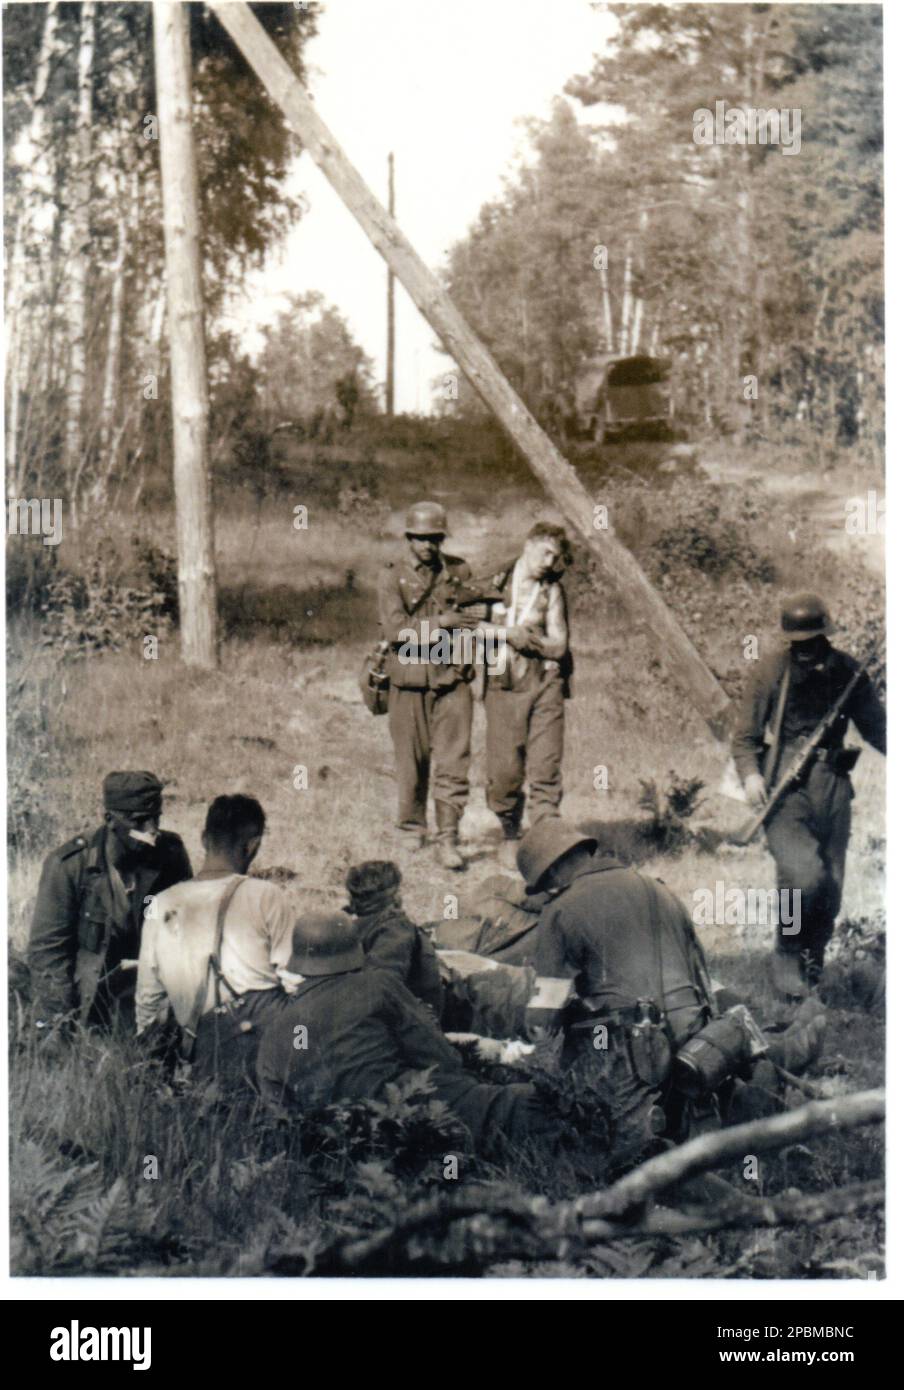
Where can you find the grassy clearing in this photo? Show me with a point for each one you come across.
(232, 1196)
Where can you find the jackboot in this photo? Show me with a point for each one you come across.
(447, 838)
(412, 837)
(447, 850)
(786, 975)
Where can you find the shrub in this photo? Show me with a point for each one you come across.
(97, 610)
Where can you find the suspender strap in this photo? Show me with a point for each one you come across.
(214, 963)
(190, 1031)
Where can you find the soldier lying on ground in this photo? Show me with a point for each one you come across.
(350, 1030)
(212, 947)
(86, 928)
(644, 1016)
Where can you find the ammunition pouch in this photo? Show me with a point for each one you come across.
(639, 1030)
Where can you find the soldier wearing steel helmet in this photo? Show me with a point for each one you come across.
(430, 707)
(644, 994)
(789, 693)
(351, 1030)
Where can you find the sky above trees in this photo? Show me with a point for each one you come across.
(443, 86)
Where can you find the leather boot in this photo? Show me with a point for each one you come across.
(447, 838)
(447, 850)
(786, 976)
(412, 837)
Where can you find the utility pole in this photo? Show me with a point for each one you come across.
(390, 307)
(185, 321)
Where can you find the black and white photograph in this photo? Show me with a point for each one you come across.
(445, 652)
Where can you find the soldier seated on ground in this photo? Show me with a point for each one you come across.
(86, 929)
(388, 936)
(350, 1030)
(213, 947)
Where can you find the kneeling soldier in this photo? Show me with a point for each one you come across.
(86, 929)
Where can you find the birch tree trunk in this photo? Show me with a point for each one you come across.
(625, 327)
(33, 156)
(640, 283)
(188, 358)
(73, 451)
(608, 339)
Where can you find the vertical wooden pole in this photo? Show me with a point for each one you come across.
(185, 318)
(390, 308)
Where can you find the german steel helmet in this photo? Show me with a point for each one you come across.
(325, 943)
(426, 519)
(544, 844)
(805, 616)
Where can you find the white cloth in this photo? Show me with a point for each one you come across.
(178, 938)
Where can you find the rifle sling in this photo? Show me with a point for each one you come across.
(772, 755)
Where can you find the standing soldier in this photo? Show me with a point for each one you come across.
(525, 696)
(85, 934)
(430, 707)
(789, 694)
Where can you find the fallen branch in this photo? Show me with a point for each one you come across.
(545, 1231)
(747, 1213)
(715, 1150)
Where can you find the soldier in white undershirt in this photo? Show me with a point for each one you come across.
(526, 691)
(221, 1005)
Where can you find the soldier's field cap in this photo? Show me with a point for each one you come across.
(371, 880)
(133, 793)
(544, 845)
(325, 943)
(805, 616)
(426, 519)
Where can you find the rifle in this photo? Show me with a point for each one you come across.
(802, 756)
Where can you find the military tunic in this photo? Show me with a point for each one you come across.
(391, 941)
(631, 949)
(84, 925)
(430, 707)
(809, 830)
(366, 1031)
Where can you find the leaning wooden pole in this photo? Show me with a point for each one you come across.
(390, 307)
(619, 567)
(188, 357)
